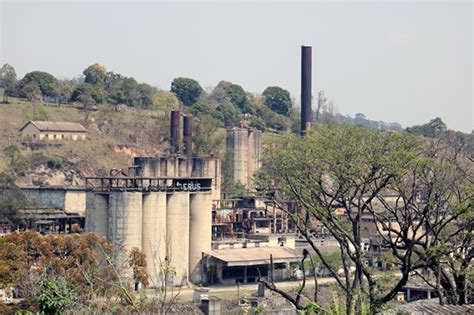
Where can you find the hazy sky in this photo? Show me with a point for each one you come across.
(406, 62)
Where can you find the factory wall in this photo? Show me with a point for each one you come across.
(71, 200)
(97, 214)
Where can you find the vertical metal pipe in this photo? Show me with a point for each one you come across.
(306, 111)
(188, 135)
(174, 131)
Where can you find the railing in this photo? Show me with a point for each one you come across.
(146, 184)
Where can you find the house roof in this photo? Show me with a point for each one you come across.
(56, 126)
(255, 255)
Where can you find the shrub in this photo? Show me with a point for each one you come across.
(55, 163)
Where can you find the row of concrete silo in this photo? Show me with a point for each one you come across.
(164, 225)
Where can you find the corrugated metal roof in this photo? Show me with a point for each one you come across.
(255, 255)
(56, 126)
(432, 306)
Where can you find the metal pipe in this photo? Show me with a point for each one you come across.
(306, 111)
(174, 131)
(188, 135)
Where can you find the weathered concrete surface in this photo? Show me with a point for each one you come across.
(154, 233)
(97, 214)
(177, 228)
(75, 202)
(182, 166)
(200, 233)
(125, 219)
(71, 200)
(244, 146)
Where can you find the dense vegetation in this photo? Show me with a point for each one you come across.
(426, 232)
(227, 104)
(59, 273)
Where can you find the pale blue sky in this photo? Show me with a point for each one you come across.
(406, 62)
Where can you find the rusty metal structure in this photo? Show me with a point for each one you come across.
(175, 132)
(107, 184)
(245, 216)
(188, 135)
(306, 111)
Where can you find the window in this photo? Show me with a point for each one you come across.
(62, 136)
(54, 136)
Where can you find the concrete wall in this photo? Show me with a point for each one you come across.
(97, 214)
(75, 202)
(177, 227)
(41, 197)
(70, 200)
(244, 145)
(200, 235)
(154, 233)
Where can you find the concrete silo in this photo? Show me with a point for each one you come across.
(199, 233)
(154, 233)
(177, 229)
(125, 219)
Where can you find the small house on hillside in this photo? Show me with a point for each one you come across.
(53, 130)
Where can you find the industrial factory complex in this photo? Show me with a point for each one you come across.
(171, 206)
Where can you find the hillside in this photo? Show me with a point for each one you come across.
(113, 138)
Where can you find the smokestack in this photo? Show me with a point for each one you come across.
(188, 135)
(174, 131)
(306, 111)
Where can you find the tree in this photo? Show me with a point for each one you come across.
(444, 185)
(207, 139)
(16, 160)
(321, 103)
(31, 91)
(278, 99)
(8, 80)
(202, 108)
(187, 90)
(350, 169)
(228, 114)
(165, 101)
(258, 123)
(130, 91)
(45, 81)
(433, 129)
(12, 199)
(95, 74)
(68, 272)
(236, 95)
(145, 95)
(89, 93)
(65, 90)
(272, 119)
